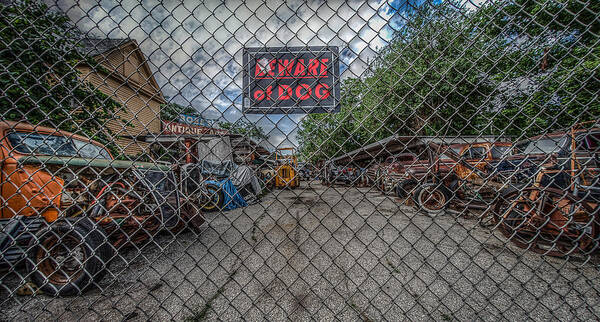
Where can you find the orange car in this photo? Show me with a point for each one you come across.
(67, 205)
(463, 185)
(26, 191)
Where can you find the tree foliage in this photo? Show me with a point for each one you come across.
(171, 111)
(520, 67)
(244, 128)
(555, 44)
(39, 80)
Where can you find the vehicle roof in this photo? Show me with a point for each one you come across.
(481, 144)
(557, 134)
(27, 127)
(402, 154)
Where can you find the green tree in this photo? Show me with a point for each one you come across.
(559, 51)
(451, 71)
(38, 77)
(430, 80)
(244, 128)
(171, 111)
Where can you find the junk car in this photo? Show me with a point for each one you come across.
(68, 205)
(392, 170)
(554, 206)
(403, 177)
(472, 182)
(340, 174)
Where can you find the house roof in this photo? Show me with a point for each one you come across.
(101, 48)
(98, 46)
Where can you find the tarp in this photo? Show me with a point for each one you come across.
(245, 175)
(217, 169)
(231, 197)
(216, 150)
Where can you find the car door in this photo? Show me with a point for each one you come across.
(475, 156)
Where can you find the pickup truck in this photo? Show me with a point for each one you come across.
(68, 206)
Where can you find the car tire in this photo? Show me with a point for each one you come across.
(432, 198)
(67, 258)
(215, 192)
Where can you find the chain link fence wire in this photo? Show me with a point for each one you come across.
(327, 160)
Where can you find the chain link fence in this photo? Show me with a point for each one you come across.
(265, 160)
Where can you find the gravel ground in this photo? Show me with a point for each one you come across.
(328, 253)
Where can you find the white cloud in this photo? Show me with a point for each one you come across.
(194, 48)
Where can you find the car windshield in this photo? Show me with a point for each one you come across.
(46, 144)
(500, 152)
(541, 146)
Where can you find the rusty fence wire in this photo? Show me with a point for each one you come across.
(327, 160)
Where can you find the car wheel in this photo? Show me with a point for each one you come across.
(67, 258)
(432, 198)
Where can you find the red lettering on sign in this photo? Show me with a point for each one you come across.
(272, 64)
(322, 94)
(299, 91)
(324, 66)
(312, 67)
(285, 92)
(269, 92)
(259, 95)
(179, 128)
(259, 70)
(300, 69)
(285, 67)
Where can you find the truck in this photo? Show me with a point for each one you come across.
(68, 206)
(472, 180)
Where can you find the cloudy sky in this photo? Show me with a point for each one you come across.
(195, 47)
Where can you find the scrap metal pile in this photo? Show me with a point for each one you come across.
(542, 193)
(71, 206)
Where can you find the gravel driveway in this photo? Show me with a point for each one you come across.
(329, 253)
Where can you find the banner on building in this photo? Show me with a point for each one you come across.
(195, 120)
(291, 80)
(182, 128)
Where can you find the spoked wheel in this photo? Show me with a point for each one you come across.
(379, 181)
(546, 221)
(431, 198)
(387, 185)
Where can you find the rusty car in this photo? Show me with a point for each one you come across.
(553, 207)
(471, 182)
(68, 206)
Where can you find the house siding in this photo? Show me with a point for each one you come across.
(138, 109)
(129, 86)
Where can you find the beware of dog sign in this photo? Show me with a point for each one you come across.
(286, 80)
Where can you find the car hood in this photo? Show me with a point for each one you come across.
(96, 163)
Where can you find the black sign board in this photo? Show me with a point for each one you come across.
(287, 80)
